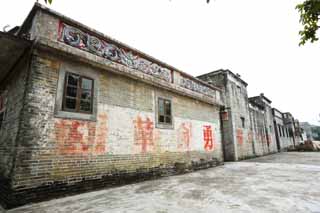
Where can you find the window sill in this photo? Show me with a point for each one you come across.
(75, 116)
(164, 126)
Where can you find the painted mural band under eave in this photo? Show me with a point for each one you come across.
(197, 87)
(84, 41)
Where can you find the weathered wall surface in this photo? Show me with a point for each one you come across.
(11, 101)
(264, 134)
(238, 99)
(270, 130)
(260, 136)
(282, 131)
(123, 140)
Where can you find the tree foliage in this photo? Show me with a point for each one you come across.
(309, 16)
(48, 1)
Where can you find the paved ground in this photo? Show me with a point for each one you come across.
(286, 182)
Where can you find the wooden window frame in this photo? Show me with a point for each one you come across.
(164, 110)
(79, 92)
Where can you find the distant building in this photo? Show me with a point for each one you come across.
(237, 134)
(312, 131)
(262, 125)
(284, 132)
(247, 122)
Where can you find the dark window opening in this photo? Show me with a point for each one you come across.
(78, 94)
(243, 122)
(239, 89)
(2, 110)
(279, 127)
(164, 111)
(1, 119)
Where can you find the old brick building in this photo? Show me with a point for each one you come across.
(83, 110)
(237, 135)
(247, 122)
(284, 133)
(262, 125)
(80, 110)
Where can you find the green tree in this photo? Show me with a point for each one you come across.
(48, 1)
(309, 16)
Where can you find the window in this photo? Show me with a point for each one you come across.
(164, 111)
(239, 89)
(279, 127)
(78, 94)
(243, 122)
(1, 119)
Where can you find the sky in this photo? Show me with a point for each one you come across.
(256, 38)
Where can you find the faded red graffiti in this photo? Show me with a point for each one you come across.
(264, 138)
(143, 133)
(208, 138)
(184, 137)
(81, 137)
(250, 136)
(269, 139)
(101, 134)
(240, 136)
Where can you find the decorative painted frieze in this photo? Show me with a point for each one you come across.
(84, 41)
(195, 86)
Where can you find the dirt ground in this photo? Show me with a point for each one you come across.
(285, 182)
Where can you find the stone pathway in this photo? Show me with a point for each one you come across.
(286, 182)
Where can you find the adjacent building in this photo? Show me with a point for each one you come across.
(283, 130)
(262, 125)
(80, 110)
(235, 119)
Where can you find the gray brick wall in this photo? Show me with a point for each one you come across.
(42, 156)
(13, 91)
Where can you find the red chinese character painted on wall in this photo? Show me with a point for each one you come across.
(143, 133)
(208, 138)
(81, 137)
(240, 136)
